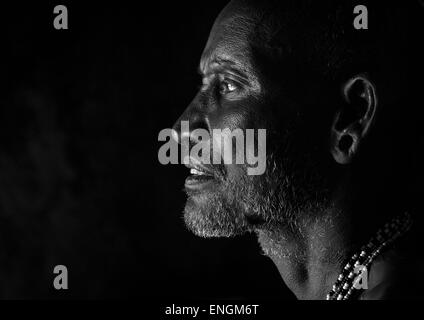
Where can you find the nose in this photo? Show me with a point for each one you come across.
(196, 118)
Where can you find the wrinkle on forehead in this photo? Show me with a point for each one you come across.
(229, 43)
(228, 38)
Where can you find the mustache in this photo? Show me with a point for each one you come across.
(218, 169)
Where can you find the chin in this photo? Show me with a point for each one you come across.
(223, 206)
(213, 214)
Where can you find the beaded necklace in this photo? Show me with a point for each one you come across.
(344, 287)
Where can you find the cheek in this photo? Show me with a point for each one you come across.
(238, 115)
(236, 172)
(228, 120)
(241, 139)
(240, 122)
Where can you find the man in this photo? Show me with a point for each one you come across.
(339, 142)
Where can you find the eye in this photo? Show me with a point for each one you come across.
(226, 87)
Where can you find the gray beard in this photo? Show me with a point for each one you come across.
(281, 202)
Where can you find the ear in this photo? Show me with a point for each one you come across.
(354, 119)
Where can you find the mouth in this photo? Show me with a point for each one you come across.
(200, 178)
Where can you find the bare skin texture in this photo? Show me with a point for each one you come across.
(296, 69)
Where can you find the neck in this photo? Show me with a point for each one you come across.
(310, 261)
(310, 258)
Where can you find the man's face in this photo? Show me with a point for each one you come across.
(238, 93)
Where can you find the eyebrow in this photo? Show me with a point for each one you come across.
(218, 61)
(233, 67)
(237, 70)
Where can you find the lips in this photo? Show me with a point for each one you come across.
(200, 176)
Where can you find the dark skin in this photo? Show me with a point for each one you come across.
(238, 92)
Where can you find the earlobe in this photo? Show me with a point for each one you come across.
(354, 119)
(344, 145)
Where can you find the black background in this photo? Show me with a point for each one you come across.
(80, 181)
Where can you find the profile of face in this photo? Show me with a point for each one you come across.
(251, 83)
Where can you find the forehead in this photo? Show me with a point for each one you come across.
(229, 42)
